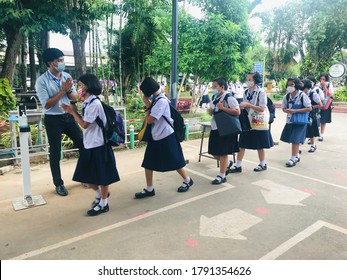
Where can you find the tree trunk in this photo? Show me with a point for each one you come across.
(78, 43)
(22, 75)
(32, 65)
(14, 41)
(42, 43)
(182, 83)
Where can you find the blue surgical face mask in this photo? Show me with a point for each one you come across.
(60, 67)
(215, 92)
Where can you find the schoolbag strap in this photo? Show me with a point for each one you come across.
(225, 98)
(99, 121)
(256, 97)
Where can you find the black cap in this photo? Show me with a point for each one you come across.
(51, 54)
(149, 86)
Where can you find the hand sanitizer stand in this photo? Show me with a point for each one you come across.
(28, 200)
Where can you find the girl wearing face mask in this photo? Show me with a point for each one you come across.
(312, 129)
(294, 133)
(96, 165)
(253, 139)
(328, 90)
(222, 146)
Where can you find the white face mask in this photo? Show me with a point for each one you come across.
(290, 89)
(215, 92)
(249, 84)
(60, 67)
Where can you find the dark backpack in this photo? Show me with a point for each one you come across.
(178, 126)
(272, 109)
(114, 133)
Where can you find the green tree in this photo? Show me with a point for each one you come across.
(327, 34)
(316, 30)
(146, 25)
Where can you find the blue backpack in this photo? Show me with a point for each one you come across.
(114, 132)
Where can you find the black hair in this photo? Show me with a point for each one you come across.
(307, 84)
(92, 83)
(256, 77)
(325, 75)
(221, 82)
(296, 82)
(149, 86)
(312, 78)
(50, 54)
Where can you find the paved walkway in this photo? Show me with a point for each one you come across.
(282, 213)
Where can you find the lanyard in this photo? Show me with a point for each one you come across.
(57, 81)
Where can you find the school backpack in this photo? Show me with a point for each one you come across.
(114, 133)
(271, 106)
(272, 110)
(178, 126)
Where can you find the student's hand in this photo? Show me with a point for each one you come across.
(67, 85)
(243, 105)
(220, 105)
(68, 108)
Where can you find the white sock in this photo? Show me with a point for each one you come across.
(293, 158)
(222, 175)
(322, 135)
(238, 163)
(103, 202)
(97, 193)
(262, 163)
(187, 180)
(149, 188)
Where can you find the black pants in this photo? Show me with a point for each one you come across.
(55, 126)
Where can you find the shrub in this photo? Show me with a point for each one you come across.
(341, 94)
(7, 100)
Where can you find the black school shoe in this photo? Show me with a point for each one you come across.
(99, 210)
(61, 190)
(185, 186)
(234, 169)
(144, 194)
(219, 180)
(260, 168)
(97, 200)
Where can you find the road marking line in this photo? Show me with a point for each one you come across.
(126, 222)
(293, 174)
(284, 247)
(302, 176)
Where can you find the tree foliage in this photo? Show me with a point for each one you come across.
(309, 32)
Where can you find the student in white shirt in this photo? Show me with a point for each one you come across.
(96, 165)
(163, 152)
(328, 89)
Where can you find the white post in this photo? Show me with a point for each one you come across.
(28, 200)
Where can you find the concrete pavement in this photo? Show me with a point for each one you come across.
(282, 213)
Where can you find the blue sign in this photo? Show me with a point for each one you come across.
(258, 67)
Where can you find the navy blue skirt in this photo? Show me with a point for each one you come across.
(97, 166)
(312, 130)
(325, 115)
(222, 145)
(205, 99)
(256, 139)
(164, 155)
(294, 133)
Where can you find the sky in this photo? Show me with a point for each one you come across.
(64, 43)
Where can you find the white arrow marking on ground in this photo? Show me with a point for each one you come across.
(279, 194)
(295, 240)
(228, 224)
